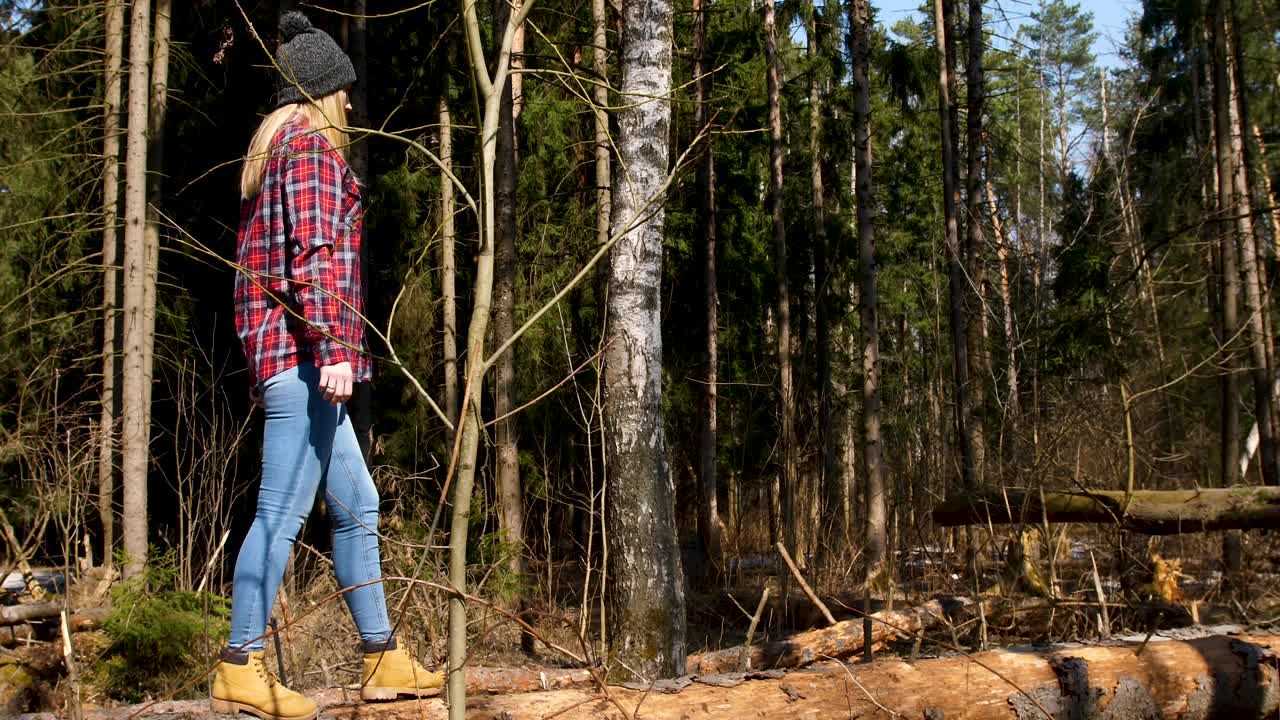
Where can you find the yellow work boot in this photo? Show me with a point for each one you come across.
(250, 687)
(390, 672)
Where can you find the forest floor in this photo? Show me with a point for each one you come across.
(317, 648)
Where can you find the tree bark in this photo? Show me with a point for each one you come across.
(646, 593)
(877, 569)
(517, 71)
(448, 265)
(976, 268)
(785, 496)
(112, 327)
(1003, 241)
(709, 524)
(159, 100)
(1217, 676)
(25, 633)
(489, 90)
(831, 483)
(135, 430)
(510, 497)
(956, 279)
(833, 642)
(1264, 171)
(1038, 257)
(15, 614)
(1255, 274)
(1227, 244)
(603, 144)
(1151, 512)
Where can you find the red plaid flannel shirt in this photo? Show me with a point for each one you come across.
(297, 293)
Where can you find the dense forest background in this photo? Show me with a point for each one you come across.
(993, 265)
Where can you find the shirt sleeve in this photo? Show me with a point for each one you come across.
(313, 207)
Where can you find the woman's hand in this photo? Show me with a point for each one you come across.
(335, 382)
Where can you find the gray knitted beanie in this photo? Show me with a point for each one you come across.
(309, 61)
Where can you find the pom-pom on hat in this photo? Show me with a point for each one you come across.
(311, 63)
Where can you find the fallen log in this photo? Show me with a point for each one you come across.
(14, 614)
(834, 642)
(89, 620)
(1150, 512)
(1217, 676)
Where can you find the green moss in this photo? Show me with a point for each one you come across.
(158, 635)
(17, 686)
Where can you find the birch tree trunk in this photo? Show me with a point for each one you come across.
(517, 68)
(646, 594)
(872, 452)
(784, 496)
(135, 430)
(510, 497)
(959, 343)
(709, 524)
(1264, 170)
(1255, 273)
(112, 328)
(448, 265)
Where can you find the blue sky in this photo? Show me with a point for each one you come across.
(1109, 19)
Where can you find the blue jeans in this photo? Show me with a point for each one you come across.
(308, 447)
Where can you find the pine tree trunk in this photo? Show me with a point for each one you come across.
(112, 327)
(784, 496)
(1038, 259)
(709, 524)
(1207, 152)
(603, 145)
(877, 568)
(1264, 171)
(1006, 300)
(830, 484)
(956, 278)
(1255, 272)
(448, 266)
(510, 498)
(646, 592)
(1019, 231)
(976, 315)
(1226, 244)
(135, 430)
(155, 173)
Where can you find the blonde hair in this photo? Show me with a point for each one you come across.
(326, 115)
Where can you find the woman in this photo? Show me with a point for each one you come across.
(298, 315)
